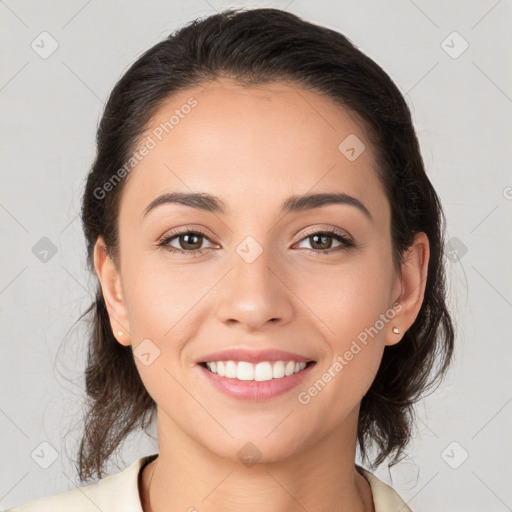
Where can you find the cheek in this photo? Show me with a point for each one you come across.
(349, 299)
(356, 314)
(353, 310)
(162, 305)
(159, 298)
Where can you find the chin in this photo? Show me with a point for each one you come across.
(251, 450)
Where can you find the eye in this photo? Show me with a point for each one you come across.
(190, 242)
(322, 240)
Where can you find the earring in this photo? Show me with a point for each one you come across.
(396, 330)
(120, 333)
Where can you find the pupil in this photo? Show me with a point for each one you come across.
(322, 237)
(187, 239)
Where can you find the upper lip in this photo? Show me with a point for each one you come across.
(253, 356)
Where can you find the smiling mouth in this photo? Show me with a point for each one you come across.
(262, 371)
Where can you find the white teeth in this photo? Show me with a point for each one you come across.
(245, 371)
(264, 370)
(278, 370)
(289, 368)
(231, 369)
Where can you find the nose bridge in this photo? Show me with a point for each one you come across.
(254, 293)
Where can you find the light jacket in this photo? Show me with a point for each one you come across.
(120, 493)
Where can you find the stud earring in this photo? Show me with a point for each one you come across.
(120, 333)
(396, 330)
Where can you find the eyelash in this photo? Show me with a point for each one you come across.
(337, 235)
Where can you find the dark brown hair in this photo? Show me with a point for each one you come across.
(257, 46)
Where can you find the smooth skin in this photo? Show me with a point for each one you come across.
(254, 147)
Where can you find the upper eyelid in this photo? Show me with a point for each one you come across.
(173, 234)
(329, 229)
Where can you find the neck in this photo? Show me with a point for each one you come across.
(187, 476)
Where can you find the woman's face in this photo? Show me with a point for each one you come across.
(257, 285)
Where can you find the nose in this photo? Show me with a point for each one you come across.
(254, 295)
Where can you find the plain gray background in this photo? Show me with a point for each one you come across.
(461, 101)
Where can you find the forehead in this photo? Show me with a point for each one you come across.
(252, 145)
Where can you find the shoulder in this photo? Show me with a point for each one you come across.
(385, 498)
(118, 492)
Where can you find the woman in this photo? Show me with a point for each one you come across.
(269, 254)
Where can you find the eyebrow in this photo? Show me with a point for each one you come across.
(213, 204)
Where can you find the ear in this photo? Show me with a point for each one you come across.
(110, 281)
(413, 282)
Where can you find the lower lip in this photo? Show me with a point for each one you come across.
(255, 390)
